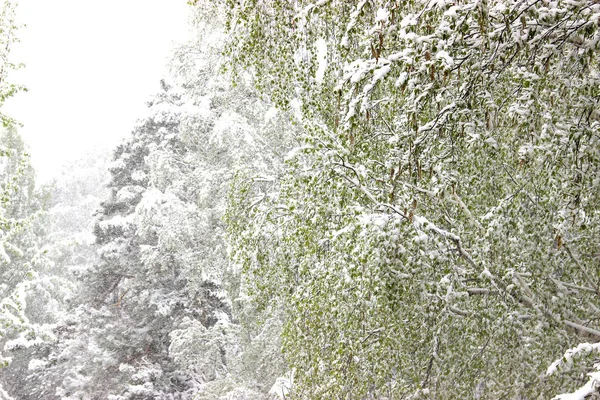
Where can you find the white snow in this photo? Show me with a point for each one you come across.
(282, 386)
(590, 387)
(451, 12)
(382, 15)
(321, 46)
(445, 57)
(36, 365)
(409, 20)
(138, 176)
(3, 254)
(294, 152)
(567, 359)
(4, 395)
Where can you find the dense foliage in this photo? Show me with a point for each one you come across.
(8, 37)
(158, 313)
(436, 233)
(21, 247)
(63, 231)
(402, 196)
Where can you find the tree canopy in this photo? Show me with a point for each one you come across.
(371, 199)
(21, 251)
(436, 232)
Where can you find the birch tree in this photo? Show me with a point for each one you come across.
(436, 232)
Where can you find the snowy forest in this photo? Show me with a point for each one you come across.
(327, 199)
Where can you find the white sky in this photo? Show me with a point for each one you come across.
(90, 67)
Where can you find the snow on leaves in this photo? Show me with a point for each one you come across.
(474, 125)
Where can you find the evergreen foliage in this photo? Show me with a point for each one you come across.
(158, 314)
(64, 231)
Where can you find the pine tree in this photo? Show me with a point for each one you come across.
(156, 316)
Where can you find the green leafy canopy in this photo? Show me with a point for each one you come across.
(435, 233)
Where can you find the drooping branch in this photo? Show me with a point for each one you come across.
(583, 270)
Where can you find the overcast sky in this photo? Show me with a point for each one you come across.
(90, 67)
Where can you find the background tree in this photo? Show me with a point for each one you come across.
(21, 255)
(8, 38)
(65, 232)
(158, 314)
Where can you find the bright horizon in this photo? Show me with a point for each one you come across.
(89, 67)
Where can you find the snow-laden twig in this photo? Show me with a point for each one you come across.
(560, 283)
(589, 388)
(481, 291)
(566, 362)
(583, 270)
(458, 311)
(282, 386)
(420, 222)
(467, 212)
(579, 327)
(425, 224)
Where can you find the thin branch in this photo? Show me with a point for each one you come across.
(468, 213)
(481, 292)
(558, 282)
(583, 270)
(454, 238)
(458, 311)
(373, 332)
(582, 328)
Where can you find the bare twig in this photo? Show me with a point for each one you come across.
(589, 331)
(583, 270)
(481, 292)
